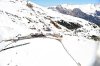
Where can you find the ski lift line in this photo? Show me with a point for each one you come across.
(59, 39)
(78, 64)
(54, 37)
(8, 45)
(14, 46)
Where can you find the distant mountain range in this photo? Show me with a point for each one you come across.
(89, 12)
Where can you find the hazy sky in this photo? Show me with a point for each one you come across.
(56, 2)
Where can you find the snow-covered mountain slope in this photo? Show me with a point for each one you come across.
(89, 12)
(86, 8)
(22, 22)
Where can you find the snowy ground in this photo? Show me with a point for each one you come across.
(40, 52)
(49, 52)
(19, 21)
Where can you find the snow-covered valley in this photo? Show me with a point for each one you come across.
(32, 35)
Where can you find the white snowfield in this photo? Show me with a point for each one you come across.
(49, 52)
(31, 35)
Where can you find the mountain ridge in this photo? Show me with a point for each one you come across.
(89, 12)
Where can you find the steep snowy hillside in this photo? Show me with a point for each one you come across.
(89, 12)
(36, 36)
